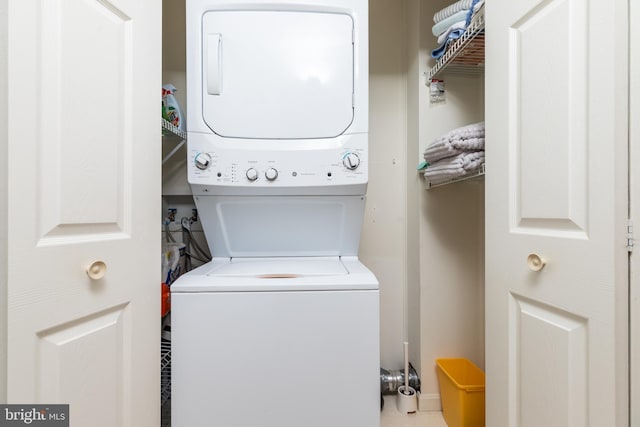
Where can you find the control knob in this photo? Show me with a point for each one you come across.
(202, 161)
(351, 161)
(271, 174)
(252, 174)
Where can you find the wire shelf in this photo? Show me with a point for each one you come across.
(466, 54)
(168, 129)
(165, 371)
(476, 174)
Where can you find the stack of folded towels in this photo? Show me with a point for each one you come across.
(458, 153)
(451, 23)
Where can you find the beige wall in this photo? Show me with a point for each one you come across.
(414, 183)
(383, 246)
(174, 172)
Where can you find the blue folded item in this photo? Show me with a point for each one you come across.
(442, 26)
(453, 35)
(473, 10)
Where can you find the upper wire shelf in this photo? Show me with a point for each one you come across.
(466, 54)
(168, 129)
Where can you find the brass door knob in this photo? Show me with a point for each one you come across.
(535, 262)
(97, 270)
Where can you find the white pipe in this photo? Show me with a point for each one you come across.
(406, 364)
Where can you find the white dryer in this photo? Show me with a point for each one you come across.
(281, 329)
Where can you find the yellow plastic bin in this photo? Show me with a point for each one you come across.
(461, 392)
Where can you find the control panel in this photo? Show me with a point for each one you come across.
(334, 165)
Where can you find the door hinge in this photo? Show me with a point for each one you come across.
(629, 235)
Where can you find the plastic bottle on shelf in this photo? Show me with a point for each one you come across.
(171, 110)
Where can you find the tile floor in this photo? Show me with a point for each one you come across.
(391, 417)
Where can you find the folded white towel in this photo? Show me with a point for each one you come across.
(465, 138)
(467, 144)
(452, 9)
(440, 27)
(442, 178)
(462, 15)
(456, 26)
(454, 167)
(463, 161)
(451, 148)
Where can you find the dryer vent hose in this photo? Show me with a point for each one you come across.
(392, 379)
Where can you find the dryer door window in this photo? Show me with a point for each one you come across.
(277, 75)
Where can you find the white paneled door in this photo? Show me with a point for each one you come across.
(83, 197)
(556, 213)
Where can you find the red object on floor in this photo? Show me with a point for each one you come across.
(166, 299)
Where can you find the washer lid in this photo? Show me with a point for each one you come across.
(277, 275)
(279, 268)
(271, 74)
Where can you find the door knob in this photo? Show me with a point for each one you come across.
(97, 270)
(535, 262)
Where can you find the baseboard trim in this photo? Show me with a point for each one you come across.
(429, 402)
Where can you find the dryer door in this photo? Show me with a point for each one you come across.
(277, 74)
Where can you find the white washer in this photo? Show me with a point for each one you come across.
(276, 342)
(282, 328)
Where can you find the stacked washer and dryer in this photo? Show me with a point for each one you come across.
(281, 329)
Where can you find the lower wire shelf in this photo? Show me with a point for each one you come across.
(474, 175)
(165, 382)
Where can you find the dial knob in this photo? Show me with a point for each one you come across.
(271, 174)
(351, 161)
(252, 174)
(202, 161)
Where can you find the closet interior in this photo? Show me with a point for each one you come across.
(432, 288)
(446, 278)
